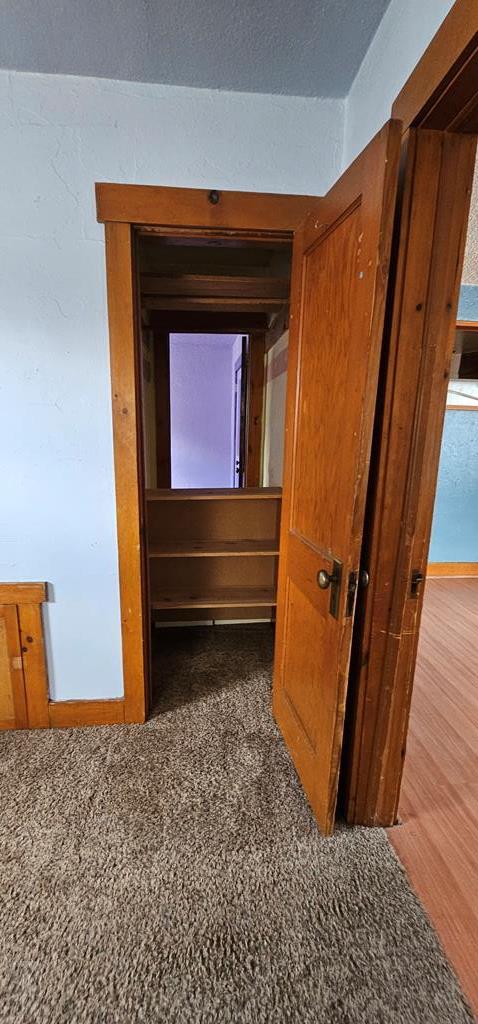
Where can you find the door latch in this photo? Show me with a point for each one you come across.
(351, 591)
(357, 581)
(417, 579)
(334, 581)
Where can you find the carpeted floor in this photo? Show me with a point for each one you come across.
(173, 872)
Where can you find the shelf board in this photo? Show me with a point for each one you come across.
(214, 549)
(214, 493)
(229, 597)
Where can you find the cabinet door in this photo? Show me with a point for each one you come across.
(13, 713)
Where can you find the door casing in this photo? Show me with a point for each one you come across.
(124, 209)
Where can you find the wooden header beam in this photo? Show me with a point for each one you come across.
(203, 208)
(207, 322)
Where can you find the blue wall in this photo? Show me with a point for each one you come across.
(455, 519)
(468, 304)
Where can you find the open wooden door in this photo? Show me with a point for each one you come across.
(437, 181)
(339, 280)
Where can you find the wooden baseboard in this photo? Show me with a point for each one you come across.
(452, 569)
(66, 714)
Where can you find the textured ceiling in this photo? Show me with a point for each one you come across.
(292, 47)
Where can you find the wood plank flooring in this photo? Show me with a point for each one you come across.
(438, 839)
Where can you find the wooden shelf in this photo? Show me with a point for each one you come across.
(214, 493)
(215, 549)
(238, 597)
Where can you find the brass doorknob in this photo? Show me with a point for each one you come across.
(324, 579)
(364, 579)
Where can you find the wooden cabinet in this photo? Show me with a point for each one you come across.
(213, 553)
(23, 680)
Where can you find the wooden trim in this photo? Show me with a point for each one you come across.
(162, 397)
(462, 408)
(442, 90)
(467, 325)
(188, 211)
(126, 434)
(34, 665)
(9, 613)
(67, 714)
(207, 322)
(212, 286)
(198, 304)
(215, 494)
(452, 569)
(439, 173)
(22, 593)
(192, 208)
(255, 405)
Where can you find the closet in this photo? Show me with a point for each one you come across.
(212, 552)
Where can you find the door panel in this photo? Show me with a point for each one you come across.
(339, 277)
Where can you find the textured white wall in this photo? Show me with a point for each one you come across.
(404, 33)
(58, 135)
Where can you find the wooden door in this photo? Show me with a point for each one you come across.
(431, 231)
(13, 713)
(339, 280)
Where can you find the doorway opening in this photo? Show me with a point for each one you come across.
(214, 329)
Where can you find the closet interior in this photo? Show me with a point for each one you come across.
(213, 367)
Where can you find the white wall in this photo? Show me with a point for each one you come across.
(404, 33)
(58, 135)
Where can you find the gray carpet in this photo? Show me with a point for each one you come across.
(173, 872)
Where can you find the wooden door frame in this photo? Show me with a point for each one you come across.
(440, 95)
(126, 210)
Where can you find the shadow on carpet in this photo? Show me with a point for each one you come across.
(173, 872)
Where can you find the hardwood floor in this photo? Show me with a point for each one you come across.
(437, 841)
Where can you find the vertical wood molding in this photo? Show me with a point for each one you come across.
(126, 432)
(9, 613)
(34, 665)
(162, 382)
(255, 405)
